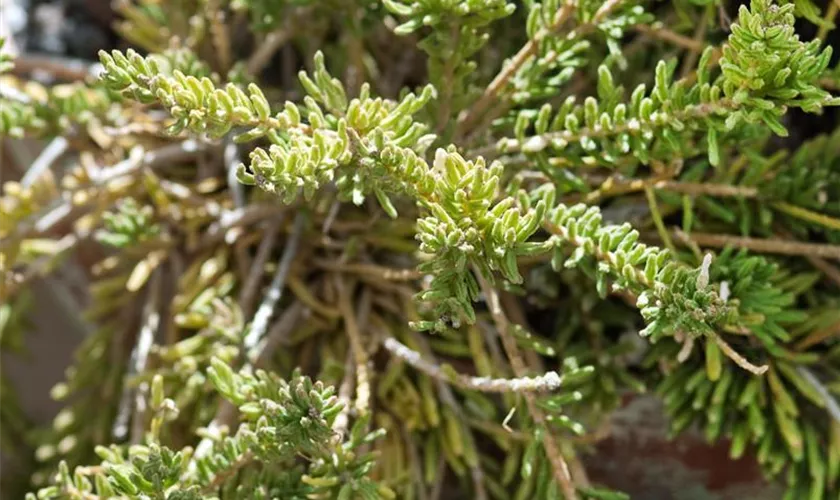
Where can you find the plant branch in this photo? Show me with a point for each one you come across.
(662, 33)
(736, 357)
(265, 51)
(252, 280)
(500, 82)
(547, 382)
(351, 327)
(552, 450)
(776, 246)
(274, 292)
(632, 126)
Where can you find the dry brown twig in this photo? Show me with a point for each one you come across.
(351, 327)
(762, 245)
(552, 450)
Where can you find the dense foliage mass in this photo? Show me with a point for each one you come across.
(410, 269)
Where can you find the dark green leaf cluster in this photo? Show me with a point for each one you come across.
(811, 177)
(297, 414)
(782, 415)
(808, 178)
(765, 307)
(768, 414)
(765, 70)
(129, 225)
(559, 54)
(284, 420)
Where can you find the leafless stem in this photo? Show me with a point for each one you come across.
(60, 209)
(385, 273)
(279, 332)
(233, 218)
(467, 120)
(139, 355)
(261, 57)
(540, 142)
(662, 33)
(345, 393)
(818, 336)
(231, 159)
(220, 36)
(45, 160)
(552, 450)
(66, 302)
(223, 475)
(256, 342)
(275, 290)
(252, 281)
(547, 382)
(776, 246)
(445, 100)
(61, 68)
(446, 396)
(829, 270)
(351, 327)
(736, 357)
(689, 64)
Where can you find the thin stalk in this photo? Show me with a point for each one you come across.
(256, 340)
(345, 391)
(265, 51)
(219, 35)
(736, 357)
(829, 16)
(275, 290)
(500, 82)
(662, 33)
(543, 383)
(448, 398)
(252, 281)
(830, 401)
(222, 476)
(445, 101)
(279, 332)
(775, 246)
(54, 150)
(351, 327)
(385, 273)
(819, 336)
(657, 220)
(539, 142)
(552, 450)
(139, 355)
